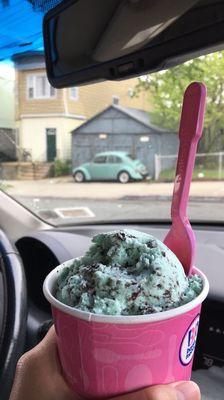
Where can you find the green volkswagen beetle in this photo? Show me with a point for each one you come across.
(111, 166)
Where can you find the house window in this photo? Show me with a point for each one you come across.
(74, 93)
(38, 87)
(115, 100)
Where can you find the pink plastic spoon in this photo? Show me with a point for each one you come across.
(181, 239)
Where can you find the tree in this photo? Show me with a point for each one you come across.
(166, 90)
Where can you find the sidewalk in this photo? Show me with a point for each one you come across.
(65, 187)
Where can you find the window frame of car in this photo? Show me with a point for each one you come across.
(113, 159)
(96, 158)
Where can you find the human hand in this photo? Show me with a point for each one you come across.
(39, 377)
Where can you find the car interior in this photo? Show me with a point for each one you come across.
(85, 42)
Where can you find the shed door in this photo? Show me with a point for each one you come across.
(51, 143)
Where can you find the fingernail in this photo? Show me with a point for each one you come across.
(187, 391)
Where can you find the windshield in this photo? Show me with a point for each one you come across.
(107, 151)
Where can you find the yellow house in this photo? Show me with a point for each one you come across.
(46, 116)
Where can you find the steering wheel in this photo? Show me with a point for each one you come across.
(14, 309)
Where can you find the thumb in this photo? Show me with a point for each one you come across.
(184, 390)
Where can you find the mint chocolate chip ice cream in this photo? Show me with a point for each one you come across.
(126, 272)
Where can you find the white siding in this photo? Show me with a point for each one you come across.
(33, 136)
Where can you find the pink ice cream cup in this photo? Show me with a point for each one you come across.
(104, 356)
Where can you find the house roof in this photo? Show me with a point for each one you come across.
(138, 115)
(29, 60)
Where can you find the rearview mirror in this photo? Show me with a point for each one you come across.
(92, 40)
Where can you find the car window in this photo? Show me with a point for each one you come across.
(100, 160)
(113, 160)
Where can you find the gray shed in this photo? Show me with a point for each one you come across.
(126, 129)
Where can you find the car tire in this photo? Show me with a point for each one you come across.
(79, 177)
(123, 177)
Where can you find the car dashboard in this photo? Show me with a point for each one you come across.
(44, 250)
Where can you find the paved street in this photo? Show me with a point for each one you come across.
(65, 187)
(143, 209)
(60, 200)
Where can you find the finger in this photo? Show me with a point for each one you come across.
(46, 351)
(185, 390)
(188, 389)
(39, 376)
(49, 341)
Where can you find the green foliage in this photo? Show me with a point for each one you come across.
(4, 187)
(62, 167)
(199, 174)
(167, 88)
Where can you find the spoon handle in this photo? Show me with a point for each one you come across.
(190, 131)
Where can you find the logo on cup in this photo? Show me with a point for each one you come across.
(189, 342)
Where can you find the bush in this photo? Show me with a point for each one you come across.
(62, 167)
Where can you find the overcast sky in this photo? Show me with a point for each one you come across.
(7, 71)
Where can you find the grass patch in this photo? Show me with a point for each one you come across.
(201, 174)
(4, 187)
